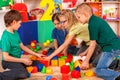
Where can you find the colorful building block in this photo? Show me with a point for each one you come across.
(54, 62)
(75, 74)
(45, 62)
(35, 69)
(61, 62)
(49, 71)
(43, 69)
(89, 73)
(48, 77)
(29, 69)
(65, 69)
(40, 66)
(65, 77)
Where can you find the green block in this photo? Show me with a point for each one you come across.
(43, 69)
(4, 3)
(45, 30)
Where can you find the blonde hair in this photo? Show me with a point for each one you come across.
(84, 8)
(70, 16)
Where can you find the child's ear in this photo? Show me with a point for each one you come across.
(13, 22)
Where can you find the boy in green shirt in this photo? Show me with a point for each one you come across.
(103, 35)
(11, 46)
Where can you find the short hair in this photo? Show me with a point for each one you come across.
(70, 16)
(55, 17)
(84, 7)
(10, 16)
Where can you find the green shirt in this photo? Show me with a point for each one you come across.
(103, 34)
(10, 42)
(80, 31)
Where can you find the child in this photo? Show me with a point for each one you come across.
(76, 30)
(58, 33)
(103, 35)
(11, 46)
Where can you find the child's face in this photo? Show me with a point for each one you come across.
(16, 24)
(57, 24)
(81, 17)
(63, 21)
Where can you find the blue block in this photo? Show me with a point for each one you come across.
(40, 66)
(48, 77)
(28, 31)
(77, 68)
(55, 58)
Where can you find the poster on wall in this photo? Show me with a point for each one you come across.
(50, 7)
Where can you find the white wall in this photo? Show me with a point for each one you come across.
(2, 26)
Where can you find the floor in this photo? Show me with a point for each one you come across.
(56, 74)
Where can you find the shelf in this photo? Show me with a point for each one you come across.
(111, 20)
(110, 2)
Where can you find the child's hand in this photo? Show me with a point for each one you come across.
(85, 65)
(27, 61)
(40, 55)
(47, 58)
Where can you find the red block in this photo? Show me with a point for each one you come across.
(65, 77)
(46, 63)
(44, 52)
(59, 55)
(53, 79)
(75, 74)
(35, 69)
(65, 69)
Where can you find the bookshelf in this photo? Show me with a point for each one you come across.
(108, 10)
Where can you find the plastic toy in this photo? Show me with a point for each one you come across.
(65, 69)
(49, 71)
(43, 69)
(44, 52)
(29, 69)
(54, 62)
(40, 66)
(48, 77)
(75, 74)
(65, 77)
(61, 62)
(89, 73)
(35, 69)
(53, 79)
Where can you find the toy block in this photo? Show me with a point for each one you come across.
(43, 69)
(55, 58)
(61, 62)
(33, 58)
(53, 79)
(89, 73)
(65, 77)
(78, 63)
(48, 77)
(49, 71)
(59, 55)
(45, 62)
(71, 67)
(54, 62)
(26, 53)
(35, 69)
(65, 69)
(40, 66)
(29, 69)
(44, 52)
(75, 74)
(77, 68)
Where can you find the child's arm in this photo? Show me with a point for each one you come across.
(90, 51)
(9, 58)
(61, 48)
(55, 44)
(30, 51)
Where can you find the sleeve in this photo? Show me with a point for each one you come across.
(5, 45)
(54, 34)
(77, 29)
(93, 32)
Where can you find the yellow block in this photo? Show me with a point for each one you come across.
(49, 71)
(29, 69)
(54, 62)
(61, 62)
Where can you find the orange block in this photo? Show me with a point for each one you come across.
(89, 73)
(54, 62)
(29, 69)
(61, 62)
